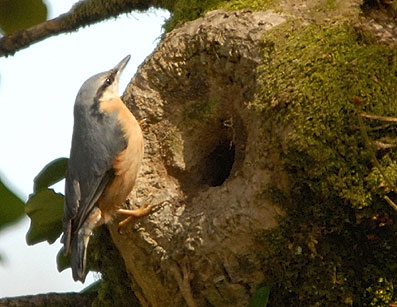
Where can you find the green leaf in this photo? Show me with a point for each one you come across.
(21, 14)
(45, 210)
(11, 206)
(63, 261)
(260, 297)
(51, 173)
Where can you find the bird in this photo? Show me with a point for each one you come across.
(105, 157)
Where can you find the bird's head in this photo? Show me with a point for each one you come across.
(103, 86)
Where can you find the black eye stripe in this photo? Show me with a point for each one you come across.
(108, 81)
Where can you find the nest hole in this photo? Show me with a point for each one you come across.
(211, 151)
(218, 164)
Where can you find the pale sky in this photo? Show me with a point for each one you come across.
(38, 87)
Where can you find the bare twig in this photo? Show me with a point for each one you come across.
(377, 117)
(382, 145)
(390, 202)
(371, 150)
(82, 14)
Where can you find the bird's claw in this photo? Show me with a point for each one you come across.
(133, 214)
(142, 121)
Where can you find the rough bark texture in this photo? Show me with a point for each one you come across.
(50, 299)
(208, 157)
(206, 161)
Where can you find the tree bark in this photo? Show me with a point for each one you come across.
(208, 161)
(82, 14)
(50, 299)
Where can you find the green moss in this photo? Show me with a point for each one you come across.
(255, 5)
(200, 110)
(115, 288)
(339, 235)
(310, 78)
(186, 10)
(381, 293)
(322, 254)
(330, 4)
(389, 167)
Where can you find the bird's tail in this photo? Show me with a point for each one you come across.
(79, 245)
(78, 256)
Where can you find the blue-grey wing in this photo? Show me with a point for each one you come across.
(97, 139)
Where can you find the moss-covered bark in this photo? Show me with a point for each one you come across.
(337, 242)
(187, 10)
(114, 288)
(294, 117)
(254, 140)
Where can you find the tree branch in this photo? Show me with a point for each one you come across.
(51, 299)
(82, 14)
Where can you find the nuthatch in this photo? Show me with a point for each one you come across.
(106, 154)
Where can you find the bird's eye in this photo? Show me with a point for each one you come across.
(108, 81)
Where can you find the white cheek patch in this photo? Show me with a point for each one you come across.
(111, 92)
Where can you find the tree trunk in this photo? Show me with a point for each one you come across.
(209, 158)
(207, 162)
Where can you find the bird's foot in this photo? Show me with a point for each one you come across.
(133, 214)
(142, 121)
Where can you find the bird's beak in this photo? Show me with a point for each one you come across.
(120, 66)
